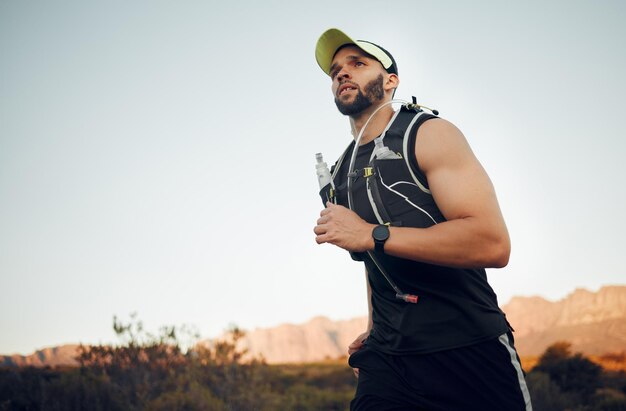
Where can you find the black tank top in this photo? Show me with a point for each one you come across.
(456, 307)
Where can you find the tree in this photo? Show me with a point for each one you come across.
(571, 373)
(548, 396)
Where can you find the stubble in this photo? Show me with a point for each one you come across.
(374, 91)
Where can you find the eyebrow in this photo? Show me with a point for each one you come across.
(351, 57)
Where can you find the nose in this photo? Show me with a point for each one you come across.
(343, 74)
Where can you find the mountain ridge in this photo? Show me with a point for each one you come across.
(593, 322)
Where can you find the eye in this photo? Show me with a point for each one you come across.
(359, 63)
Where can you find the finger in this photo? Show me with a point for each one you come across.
(356, 372)
(319, 229)
(354, 348)
(356, 343)
(321, 239)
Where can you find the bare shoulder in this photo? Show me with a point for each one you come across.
(457, 180)
(440, 143)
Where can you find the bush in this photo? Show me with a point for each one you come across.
(547, 395)
(563, 381)
(155, 373)
(572, 373)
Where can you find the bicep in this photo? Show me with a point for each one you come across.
(459, 184)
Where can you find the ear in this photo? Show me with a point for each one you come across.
(392, 82)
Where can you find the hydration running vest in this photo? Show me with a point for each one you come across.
(456, 307)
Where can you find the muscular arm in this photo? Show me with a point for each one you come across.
(474, 234)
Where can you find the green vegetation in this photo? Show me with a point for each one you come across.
(570, 382)
(156, 373)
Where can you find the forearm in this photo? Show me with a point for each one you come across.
(464, 242)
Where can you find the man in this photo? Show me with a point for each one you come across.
(426, 223)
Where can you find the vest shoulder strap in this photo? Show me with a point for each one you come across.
(401, 138)
(408, 150)
(402, 130)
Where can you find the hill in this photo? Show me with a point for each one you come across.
(52, 356)
(594, 322)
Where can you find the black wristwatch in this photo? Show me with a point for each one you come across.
(380, 234)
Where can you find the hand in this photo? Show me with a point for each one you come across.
(355, 346)
(342, 227)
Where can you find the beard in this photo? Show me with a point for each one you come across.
(374, 91)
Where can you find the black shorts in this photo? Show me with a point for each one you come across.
(485, 376)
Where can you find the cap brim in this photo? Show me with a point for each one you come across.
(327, 46)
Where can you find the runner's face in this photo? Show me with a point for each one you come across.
(357, 80)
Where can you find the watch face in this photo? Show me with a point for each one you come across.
(380, 233)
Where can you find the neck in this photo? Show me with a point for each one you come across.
(376, 125)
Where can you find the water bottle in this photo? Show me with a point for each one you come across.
(382, 152)
(322, 171)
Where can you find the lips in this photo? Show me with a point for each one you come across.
(345, 87)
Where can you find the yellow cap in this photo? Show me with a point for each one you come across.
(332, 39)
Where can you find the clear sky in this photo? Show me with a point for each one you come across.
(158, 156)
